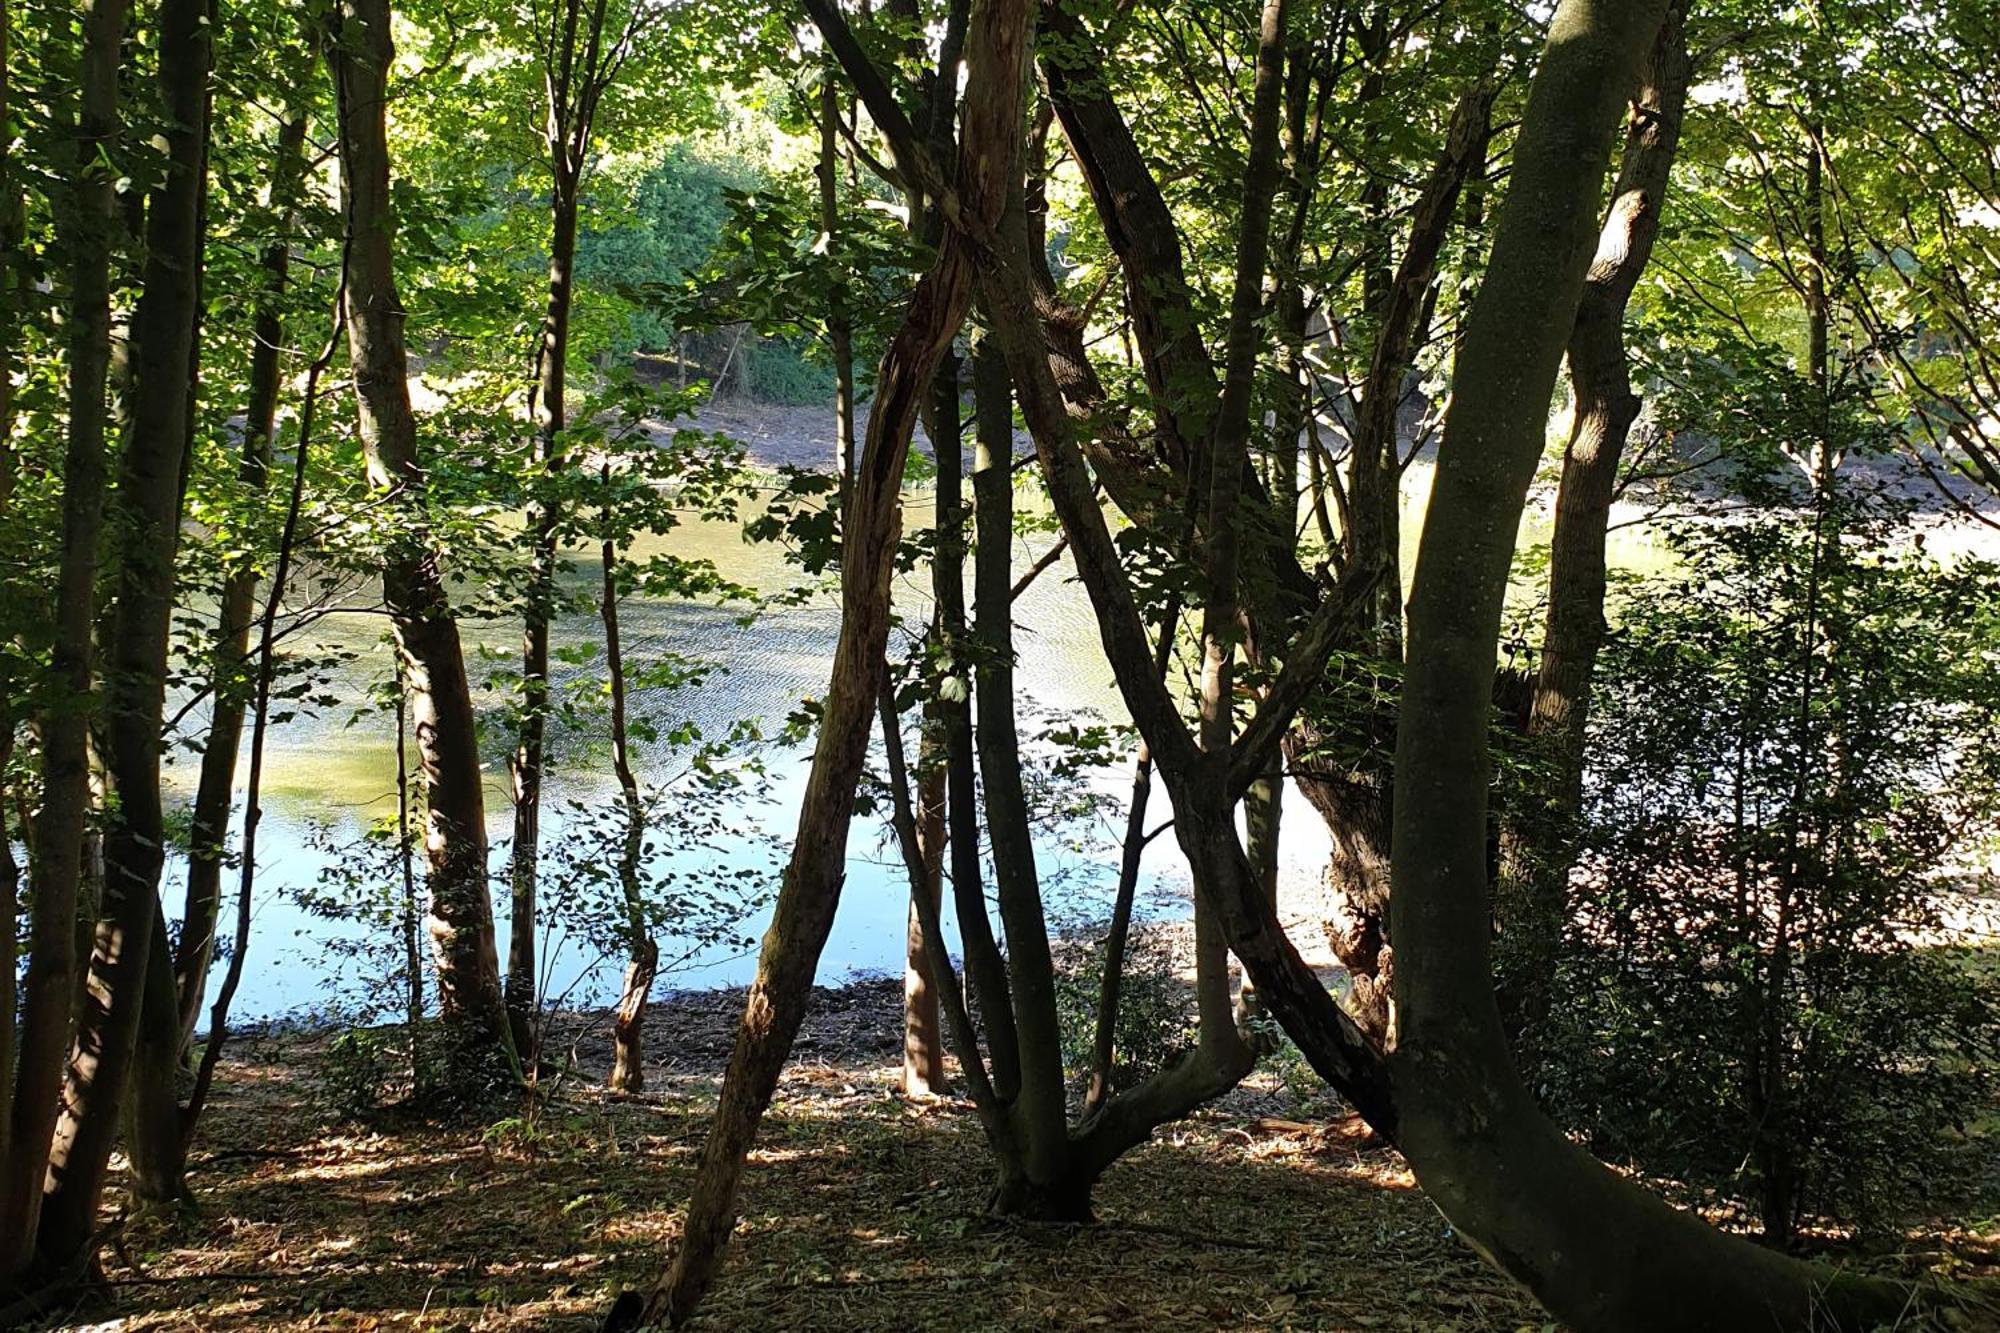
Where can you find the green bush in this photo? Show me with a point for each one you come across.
(1155, 1007)
(359, 1073)
(1787, 747)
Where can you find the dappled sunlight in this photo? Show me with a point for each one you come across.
(852, 1190)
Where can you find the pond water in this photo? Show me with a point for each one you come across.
(330, 775)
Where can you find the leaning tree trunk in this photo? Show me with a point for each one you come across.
(1538, 839)
(229, 686)
(996, 54)
(147, 514)
(50, 986)
(413, 584)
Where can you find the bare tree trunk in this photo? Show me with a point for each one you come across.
(229, 688)
(11, 222)
(1222, 613)
(529, 758)
(147, 511)
(923, 1029)
(406, 863)
(576, 77)
(642, 952)
(1537, 842)
(156, 1141)
(996, 55)
(52, 973)
(1040, 1109)
(839, 326)
(439, 694)
(260, 719)
(1355, 801)
(1116, 940)
(985, 966)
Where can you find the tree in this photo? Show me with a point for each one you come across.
(146, 522)
(51, 983)
(581, 48)
(995, 52)
(439, 694)
(1535, 870)
(1797, 733)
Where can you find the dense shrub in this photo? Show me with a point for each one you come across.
(1792, 741)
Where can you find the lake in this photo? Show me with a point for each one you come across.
(331, 774)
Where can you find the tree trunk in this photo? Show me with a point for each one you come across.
(1355, 800)
(1595, 1249)
(1040, 1109)
(642, 952)
(50, 986)
(260, 718)
(1105, 1046)
(1229, 450)
(923, 1030)
(147, 509)
(996, 52)
(11, 221)
(156, 1141)
(839, 325)
(985, 966)
(229, 688)
(413, 584)
(529, 758)
(1537, 842)
(406, 864)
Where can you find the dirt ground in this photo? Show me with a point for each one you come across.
(863, 1210)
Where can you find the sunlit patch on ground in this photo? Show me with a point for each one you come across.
(862, 1211)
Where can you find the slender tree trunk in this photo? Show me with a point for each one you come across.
(11, 212)
(839, 325)
(923, 1032)
(964, 1037)
(52, 974)
(229, 686)
(529, 758)
(260, 719)
(996, 55)
(156, 1136)
(1117, 937)
(147, 526)
(439, 694)
(406, 863)
(642, 952)
(1374, 532)
(923, 1029)
(1537, 842)
(1222, 614)
(1040, 1109)
(985, 966)
(1354, 801)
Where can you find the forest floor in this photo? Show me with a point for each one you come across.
(863, 1209)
